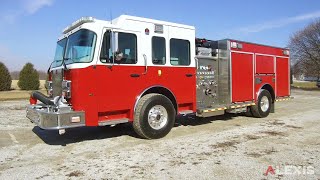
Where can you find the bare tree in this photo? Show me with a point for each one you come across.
(305, 49)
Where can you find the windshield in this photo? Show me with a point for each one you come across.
(59, 53)
(77, 48)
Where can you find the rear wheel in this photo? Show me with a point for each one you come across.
(248, 113)
(154, 116)
(263, 106)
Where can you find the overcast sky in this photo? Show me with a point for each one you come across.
(29, 28)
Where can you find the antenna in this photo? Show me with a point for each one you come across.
(111, 16)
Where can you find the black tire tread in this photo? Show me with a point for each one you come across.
(255, 109)
(136, 121)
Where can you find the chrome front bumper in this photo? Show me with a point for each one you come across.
(46, 118)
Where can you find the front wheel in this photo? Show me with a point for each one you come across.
(263, 106)
(154, 116)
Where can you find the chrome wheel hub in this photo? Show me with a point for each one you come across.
(157, 117)
(264, 103)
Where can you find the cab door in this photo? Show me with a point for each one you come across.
(120, 75)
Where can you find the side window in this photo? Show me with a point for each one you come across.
(105, 55)
(126, 52)
(127, 48)
(179, 52)
(158, 50)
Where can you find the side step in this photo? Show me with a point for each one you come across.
(113, 122)
(240, 105)
(284, 98)
(211, 112)
(233, 108)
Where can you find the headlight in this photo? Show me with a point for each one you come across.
(66, 89)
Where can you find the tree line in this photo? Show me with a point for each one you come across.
(28, 78)
(305, 50)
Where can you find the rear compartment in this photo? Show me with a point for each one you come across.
(231, 75)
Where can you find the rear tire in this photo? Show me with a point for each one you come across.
(248, 113)
(154, 116)
(263, 106)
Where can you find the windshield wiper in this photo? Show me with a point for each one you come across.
(64, 63)
(82, 56)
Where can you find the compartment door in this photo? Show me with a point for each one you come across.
(282, 77)
(242, 77)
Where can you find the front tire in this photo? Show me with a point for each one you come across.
(263, 106)
(154, 116)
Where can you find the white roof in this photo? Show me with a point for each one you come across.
(121, 19)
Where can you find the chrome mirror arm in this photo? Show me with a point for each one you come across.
(145, 63)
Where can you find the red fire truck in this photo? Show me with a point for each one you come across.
(145, 72)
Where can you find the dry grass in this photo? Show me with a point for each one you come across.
(14, 85)
(304, 84)
(16, 93)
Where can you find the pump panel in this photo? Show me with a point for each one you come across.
(207, 82)
(213, 88)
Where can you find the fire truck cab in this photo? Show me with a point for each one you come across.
(145, 72)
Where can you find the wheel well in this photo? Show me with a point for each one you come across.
(164, 91)
(269, 88)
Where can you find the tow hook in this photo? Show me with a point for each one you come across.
(62, 131)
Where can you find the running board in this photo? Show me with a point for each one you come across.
(239, 107)
(185, 112)
(210, 112)
(113, 122)
(284, 99)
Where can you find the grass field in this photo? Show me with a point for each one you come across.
(16, 93)
(304, 84)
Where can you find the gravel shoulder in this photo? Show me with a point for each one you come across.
(223, 147)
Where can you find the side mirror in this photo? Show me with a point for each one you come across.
(114, 42)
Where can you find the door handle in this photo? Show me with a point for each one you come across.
(189, 75)
(135, 75)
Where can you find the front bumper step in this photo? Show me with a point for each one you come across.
(46, 118)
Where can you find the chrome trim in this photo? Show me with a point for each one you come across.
(264, 104)
(242, 52)
(230, 69)
(66, 88)
(289, 80)
(145, 63)
(283, 57)
(157, 117)
(275, 76)
(145, 90)
(185, 112)
(47, 117)
(113, 122)
(254, 70)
